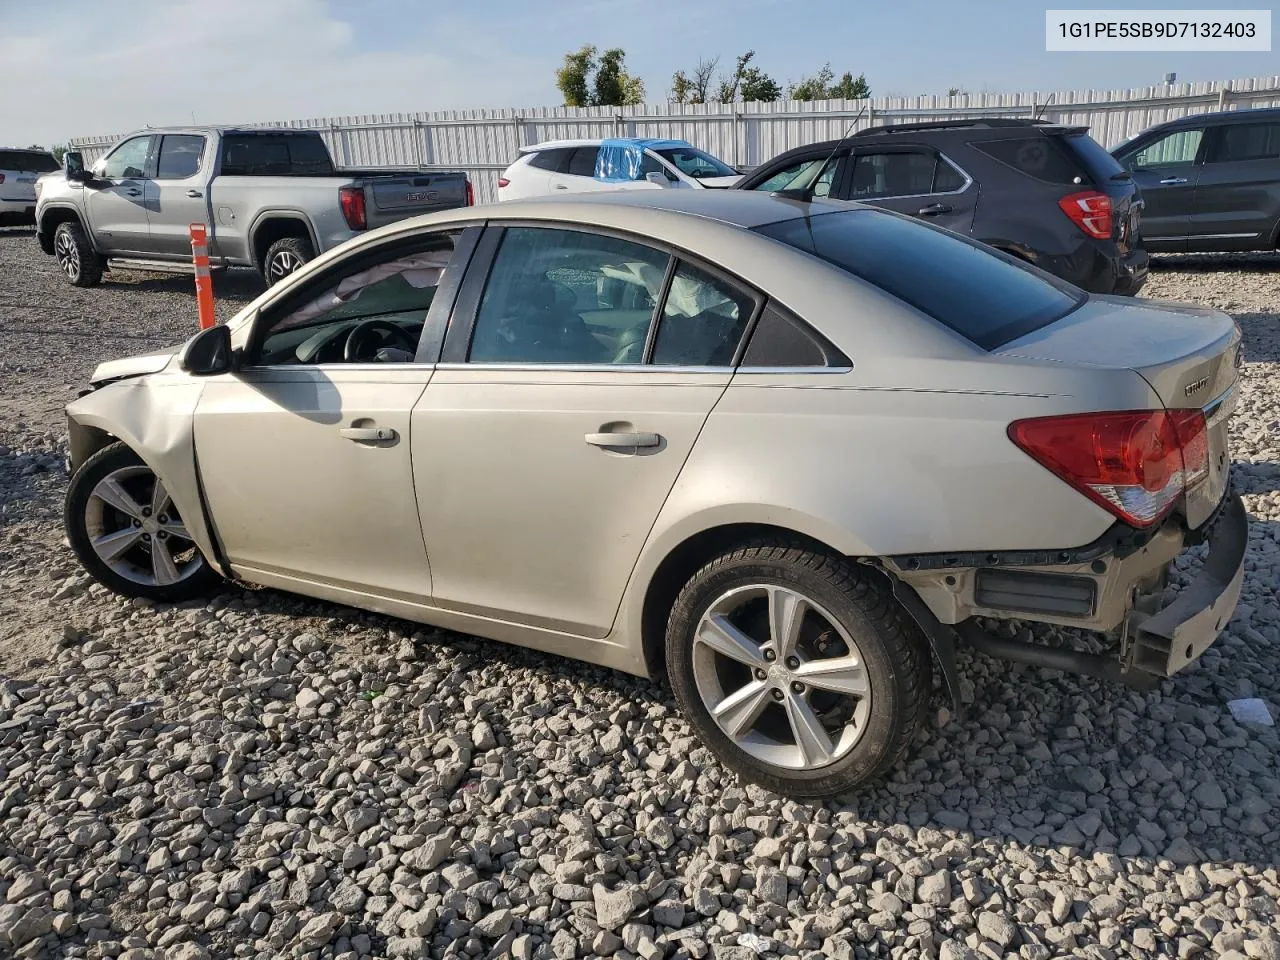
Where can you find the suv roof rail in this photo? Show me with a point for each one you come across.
(991, 122)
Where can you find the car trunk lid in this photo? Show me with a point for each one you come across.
(1188, 355)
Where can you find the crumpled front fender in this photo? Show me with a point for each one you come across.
(155, 417)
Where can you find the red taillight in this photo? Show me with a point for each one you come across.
(1135, 463)
(352, 200)
(1090, 211)
(471, 194)
(1, 178)
(503, 182)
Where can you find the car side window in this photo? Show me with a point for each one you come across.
(651, 164)
(567, 296)
(583, 162)
(370, 311)
(1173, 149)
(1246, 141)
(179, 156)
(548, 159)
(703, 319)
(898, 174)
(128, 160)
(781, 339)
(793, 173)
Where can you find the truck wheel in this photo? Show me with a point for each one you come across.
(800, 670)
(284, 257)
(75, 255)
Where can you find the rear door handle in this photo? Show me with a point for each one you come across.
(623, 440)
(561, 186)
(134, 192)
(933, 209)
(1173, 181)
(368, 434)
(193, 194)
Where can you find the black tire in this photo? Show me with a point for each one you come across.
(894, 652)
(284, 257)
(200, 581)
(76, 256)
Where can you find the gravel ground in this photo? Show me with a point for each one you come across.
(266, 776)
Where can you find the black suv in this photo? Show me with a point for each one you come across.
(1047, 194)
(1209, 182)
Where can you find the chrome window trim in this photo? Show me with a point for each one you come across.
(968, 180)
(626, 368)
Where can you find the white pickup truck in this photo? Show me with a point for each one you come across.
(272, 200)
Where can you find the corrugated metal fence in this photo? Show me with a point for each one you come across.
(483, 142)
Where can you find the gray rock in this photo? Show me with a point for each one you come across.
(495, 924)
(615, 907)
(319, 930)
(997, 927)
(1209, 796)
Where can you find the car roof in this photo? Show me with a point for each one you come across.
(951, 130)
(1248, 115)
(558, 144)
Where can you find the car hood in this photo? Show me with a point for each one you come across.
(135, 366)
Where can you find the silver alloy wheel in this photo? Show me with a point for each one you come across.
(283, 263)
(134, 528)
(68, 256)
(781, 677)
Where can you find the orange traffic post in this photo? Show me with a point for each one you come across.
(204, 284)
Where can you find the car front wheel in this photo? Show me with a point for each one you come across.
(800, 670)
(128, 533)
(76, 256)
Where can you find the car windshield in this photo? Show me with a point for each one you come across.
(692, 162)
(986, 297)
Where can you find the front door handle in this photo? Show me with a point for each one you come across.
(134, 192)
(193, 194)
(1173, 181)
(561, 186)
(368, 434)
(624, 440)
(933, 209)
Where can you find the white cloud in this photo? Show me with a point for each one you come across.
(109, 69)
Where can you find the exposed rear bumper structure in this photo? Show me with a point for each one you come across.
(1166, 641)
(1117, 592)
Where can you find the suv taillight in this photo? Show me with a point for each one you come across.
(1, 178)
(503, 182)
(1090, 211)
(471, 193)
(1134, 463)
(352, 201)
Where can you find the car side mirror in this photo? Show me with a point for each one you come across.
(73, 164)
(657, 179)
(208, 352)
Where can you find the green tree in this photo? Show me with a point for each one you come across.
(813, 88)
(588, 80)
(695, 87)
(954, 91)
(820, 86)
(572, 78)
(748, 82)
(850, 89)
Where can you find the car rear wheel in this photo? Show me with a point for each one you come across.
(76, 256)
(128, 533)
(800, 670)
(284, 257)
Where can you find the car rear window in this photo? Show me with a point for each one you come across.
(1101, 164)
(275, 155)
(1040, 157)
(981, 295)
(28, 161)
(549, 159)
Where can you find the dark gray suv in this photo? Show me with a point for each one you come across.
(1210, 182)
(1047, 194)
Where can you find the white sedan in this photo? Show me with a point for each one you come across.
(585, 166)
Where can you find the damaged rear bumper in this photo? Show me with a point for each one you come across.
(1109, 587)
(1166, 641)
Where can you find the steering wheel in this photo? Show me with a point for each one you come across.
(353, 350)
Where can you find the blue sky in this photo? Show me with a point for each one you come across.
(71, 67)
